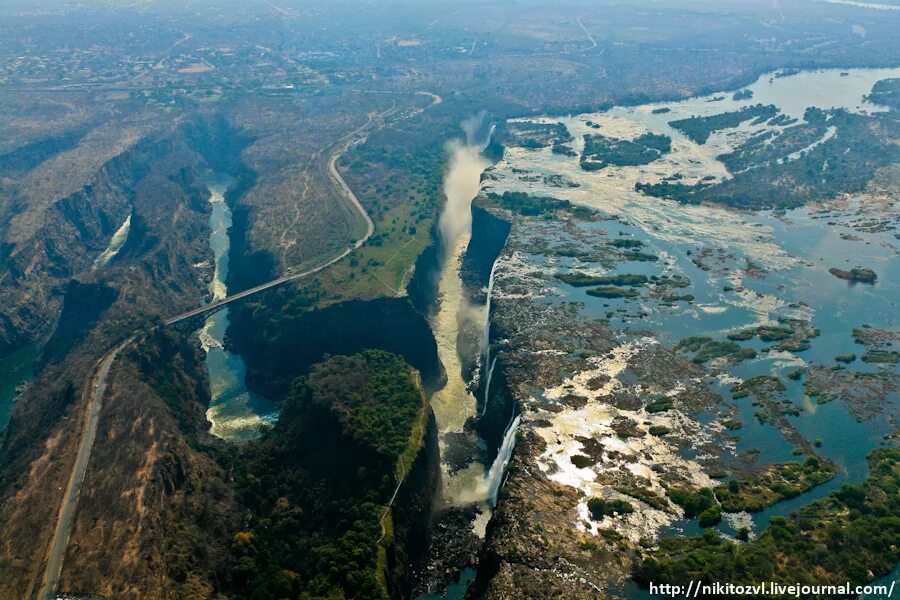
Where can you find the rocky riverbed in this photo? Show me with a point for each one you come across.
(657, 350)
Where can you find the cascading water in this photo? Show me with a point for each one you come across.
(236, 413)
(474, 484)
(486, 363)
(495, 475)
(115, 244)
(454, 404)
(487, 386)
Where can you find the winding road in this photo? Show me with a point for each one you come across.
(97, 387)
(56, 549)
(338, 181)
(345, 193)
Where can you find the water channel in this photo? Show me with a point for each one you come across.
(236, 413)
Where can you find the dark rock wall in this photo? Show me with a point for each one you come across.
(296, 343)
(412, 512)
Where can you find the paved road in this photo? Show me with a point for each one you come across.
(348, 194)
(335, 176)
(58, 544)
(57, 548)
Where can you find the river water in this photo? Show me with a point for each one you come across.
(15, 373)
(236, 413)
(454, 403)
(115, 244)
(794, 250)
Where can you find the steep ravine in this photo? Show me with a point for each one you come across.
(477, 438)
(154, 268)
(440, 330)
(73, 234)
(280, 343)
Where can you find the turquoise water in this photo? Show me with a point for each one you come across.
(236, 413)
(891, 578)
(455, 590)
(15, 370)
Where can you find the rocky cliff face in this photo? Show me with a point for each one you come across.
(532, 548)
(157, 182)
(412, 514)
(279, 345)
(161, 504)
(146, 177)
(489, 233)
(605, 414)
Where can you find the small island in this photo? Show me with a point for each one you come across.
(856, 275)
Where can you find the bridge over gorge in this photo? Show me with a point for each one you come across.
(212, 307)
(344, 194)
(47, 579)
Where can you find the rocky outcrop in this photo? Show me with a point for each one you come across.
(489, 233)
(531, 549)
(76, 228)
(604, 414)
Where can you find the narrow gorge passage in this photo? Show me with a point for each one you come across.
(454, 403)
(235, 412)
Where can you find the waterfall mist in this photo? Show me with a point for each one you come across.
(454, 404)
(461, 184)
(472, 126)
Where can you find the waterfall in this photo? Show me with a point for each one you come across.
(487, 142)
(454, 404)
(115, 244)
(495, 475)
(487, 387)
(486, 332)
(486, 364)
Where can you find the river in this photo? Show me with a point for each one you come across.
(236, 413)
(15, 373)
(115, 244)
(793, 250)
